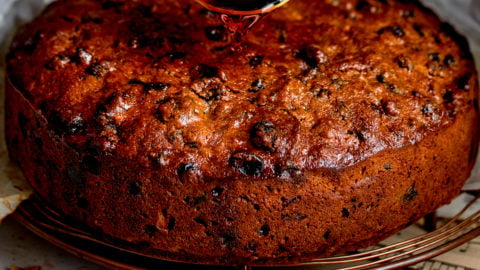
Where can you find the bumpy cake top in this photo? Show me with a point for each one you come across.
(318, 84)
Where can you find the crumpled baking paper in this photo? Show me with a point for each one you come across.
(13, 187)
(463, 14)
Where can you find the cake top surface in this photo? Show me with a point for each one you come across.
(319, 84)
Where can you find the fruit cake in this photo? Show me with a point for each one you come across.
(336, 125)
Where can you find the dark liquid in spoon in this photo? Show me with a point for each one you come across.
(239, 16)
(243, 7)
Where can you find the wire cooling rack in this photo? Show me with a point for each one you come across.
(48, 224)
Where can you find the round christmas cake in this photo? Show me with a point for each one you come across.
(337, 124)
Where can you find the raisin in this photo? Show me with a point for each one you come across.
(256, 86)
(92, 164)
(217, 191)
(32, 43)
(157, 86)
(175, 55)
(448, 97)
(187, 171)
(216, 33)
(227, 238)
(434, 56)
(395, 30)
(57, 62)
(359, 134)
(76, 126)
(411, 194)
(312, 56)
(82, 57)
(381, 78)
(416, 94)
(404, 62)
(252, 247)
(264, 136)
(210, 94)
(171, 224)
(326, 235)
(363, 6)
(449, 61)
(136, 82)
(419, 30)
(63, 127)
(135, 188)
(345, 213)
(185, 167)
(287, 201)
(427, 110)
(201, 71)
(87, 19)
(392, 87)
(435, 69)
(193, 145)
(247, 164)
(209, 89)
(151, 230)
(67, 19)
(256, 61)
(166, 109)
(463, 82)
(264, 230)
(322, 93)
(96, 70)
(200, 221)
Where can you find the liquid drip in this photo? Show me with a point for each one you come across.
(238, 27)
(239, 16)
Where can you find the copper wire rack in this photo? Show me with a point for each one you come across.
(48, 224)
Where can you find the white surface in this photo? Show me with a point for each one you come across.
(22, 248)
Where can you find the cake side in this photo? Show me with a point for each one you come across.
(330, 138)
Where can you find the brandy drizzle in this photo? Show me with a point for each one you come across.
(238, 26)
(239, 16)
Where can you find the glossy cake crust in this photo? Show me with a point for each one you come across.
(339, 123)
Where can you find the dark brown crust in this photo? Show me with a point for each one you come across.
(336, 134)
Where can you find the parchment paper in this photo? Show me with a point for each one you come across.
(14, 189)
